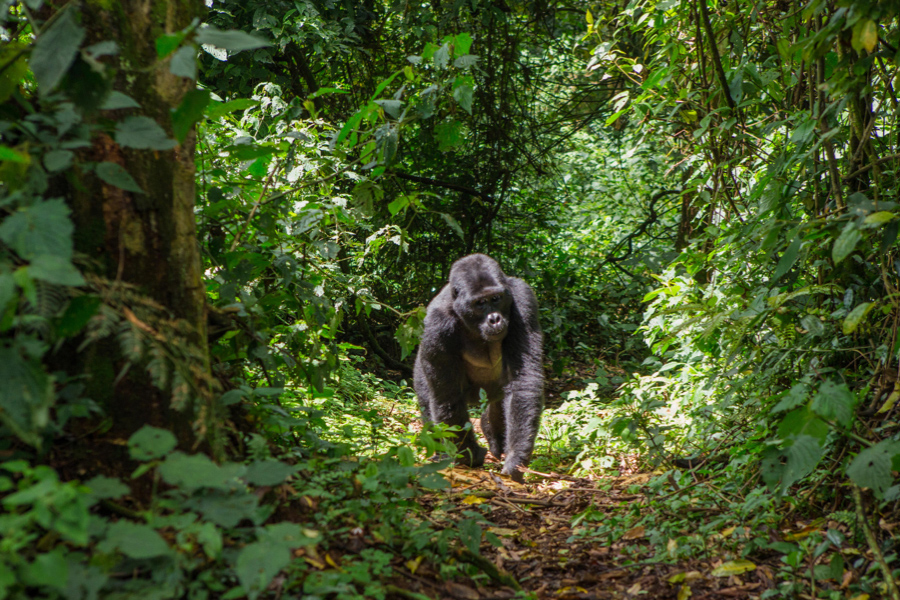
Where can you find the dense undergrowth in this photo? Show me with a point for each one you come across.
(219, 229)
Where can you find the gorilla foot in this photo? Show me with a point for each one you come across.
(472, 457)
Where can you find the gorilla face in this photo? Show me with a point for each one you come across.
(480, 296)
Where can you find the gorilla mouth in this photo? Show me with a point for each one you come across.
(493, 333)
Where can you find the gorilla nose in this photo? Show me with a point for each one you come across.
(493, 319)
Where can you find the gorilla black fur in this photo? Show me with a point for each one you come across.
(482, 332)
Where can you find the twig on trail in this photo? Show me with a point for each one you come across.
(488, 568)
(550, 475)
(873, 544)
(502, 502)
(598, 491)
(393, 589)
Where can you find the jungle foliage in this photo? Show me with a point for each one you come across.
(219, 226)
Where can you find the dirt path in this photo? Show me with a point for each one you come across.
(551, 559)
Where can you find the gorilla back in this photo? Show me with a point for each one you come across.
(482, 332)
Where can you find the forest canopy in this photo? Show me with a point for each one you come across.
(221, 223)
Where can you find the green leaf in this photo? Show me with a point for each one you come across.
(58, 160)
(465, 62)
(865, 35)
(792, 398)
(117, 100)
(55, 49)
(53, 268)
(142, 133)
(834, 402)
(812, 324)
(464, 95)
(802, 422)
(15, 67)
(77, 314)
(449, 135)
(733, 567)
(232, 40)
(39, 229)
(852, 321)
(433, 481)
(167, 43)
(453, 225)
(802, 455)
(290, 535)
(189, 112)
(149, 442)
(470, 534)
(788, 258)
(258, 564)
(26, 394)
(184, 63)
(134, 540)
(115, 174)
(845, 242)
(7, 290)
(462, 43)
(11, 155)
(880, 218)
(269, 472)
(195, 471)
(218, 109)
(441, 57)
(48, 569)
(397, 205)
(872, 467)
(102, 486)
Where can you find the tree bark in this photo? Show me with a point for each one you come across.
(146, 241)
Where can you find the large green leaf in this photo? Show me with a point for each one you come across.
(193, 471)
(231, 40)
(788, 258)
(53, 268)
(134, 540)
(269, 472)
(150, 442)
(55, 49)
(835, 402)
(26, 394)
(143, 133)
(872, 467)
(852, 321)
(115, 174)
(257, 564)
(802, 456)
(845, 243)
(189, 112)
(42, 228)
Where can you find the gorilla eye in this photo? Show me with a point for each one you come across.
(496, 298)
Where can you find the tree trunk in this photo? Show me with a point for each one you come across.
(144, 246)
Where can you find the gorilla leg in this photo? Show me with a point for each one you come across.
(456, 413)
(494, 428)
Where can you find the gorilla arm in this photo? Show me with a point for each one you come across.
(523, 396)
(440, 378)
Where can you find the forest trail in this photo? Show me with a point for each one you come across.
(552, 559)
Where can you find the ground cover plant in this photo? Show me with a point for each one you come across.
(220, 223)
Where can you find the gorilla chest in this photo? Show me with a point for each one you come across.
(484, 364)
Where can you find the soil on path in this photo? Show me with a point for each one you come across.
(551, 559)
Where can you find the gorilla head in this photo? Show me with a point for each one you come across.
(481, 298)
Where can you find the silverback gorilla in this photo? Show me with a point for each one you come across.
(482, 332)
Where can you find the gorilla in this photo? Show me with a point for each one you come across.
(482, 333)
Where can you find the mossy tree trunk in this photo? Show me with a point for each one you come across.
(145, 244)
